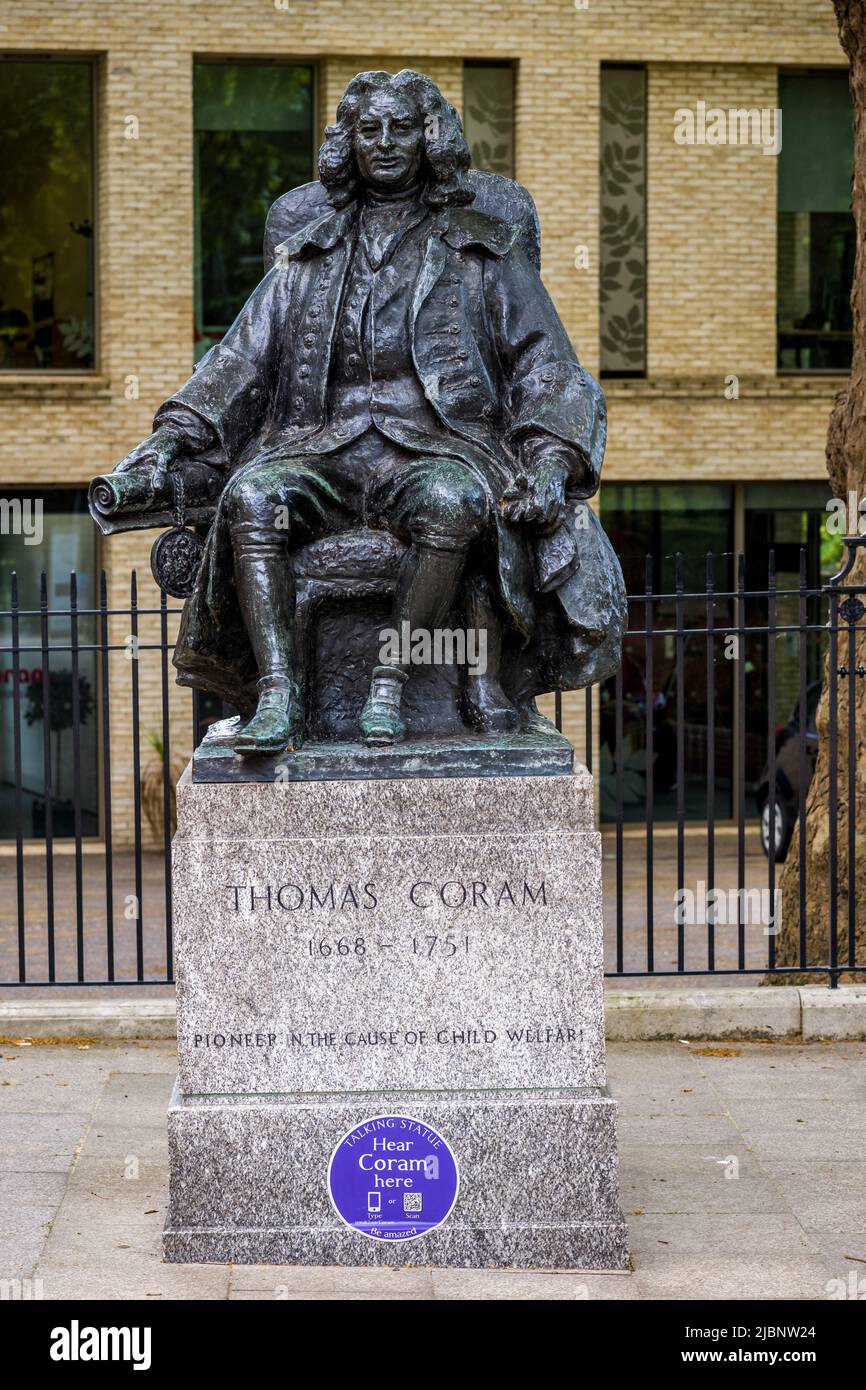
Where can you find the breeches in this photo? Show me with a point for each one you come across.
(431, 500)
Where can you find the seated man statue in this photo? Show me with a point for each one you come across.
(399, 367)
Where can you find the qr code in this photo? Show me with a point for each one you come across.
(412, 1201)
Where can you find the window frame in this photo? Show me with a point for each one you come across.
(512, 65)
(608, 374)
(829, 373)
(95, 62)
(249, 60)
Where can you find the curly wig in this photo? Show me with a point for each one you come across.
(446, 154)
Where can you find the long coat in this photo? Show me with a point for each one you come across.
(494, 362)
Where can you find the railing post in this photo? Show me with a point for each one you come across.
(76, 775)
(711, 760)
(771, 754)
(19, 809)
(649, 704)
(852, 609)
(802, 639)
(106, 777)
(47, 774)
(679, 581)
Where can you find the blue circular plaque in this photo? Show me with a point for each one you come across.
(393, 1177)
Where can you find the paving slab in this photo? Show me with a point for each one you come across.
(769, 1276)
(717, 1233)
(568, 1285)
(826, 1196)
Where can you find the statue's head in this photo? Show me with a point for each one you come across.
(393, 132)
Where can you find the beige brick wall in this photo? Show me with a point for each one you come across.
(711, 226)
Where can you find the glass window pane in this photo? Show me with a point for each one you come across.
(51, 530)
(253, 141)
(815, 227)
(787, 521)
(46, 216)
(622, 285)
(488, 119)
(660, 520)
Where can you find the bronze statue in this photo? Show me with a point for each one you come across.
(399, 379)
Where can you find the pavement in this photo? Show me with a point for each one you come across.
(743, 1176)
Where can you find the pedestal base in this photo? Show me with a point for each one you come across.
(539, 1184)
(541, 752)
(425, 947)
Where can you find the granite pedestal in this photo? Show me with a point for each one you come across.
(429, 947)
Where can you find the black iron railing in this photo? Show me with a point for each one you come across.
(703, 745)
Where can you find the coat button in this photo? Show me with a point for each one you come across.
(309, 340)
(299, 401)
(304, 371)
(475, 381)
(547, 375)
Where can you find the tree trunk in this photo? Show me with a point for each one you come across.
(846, 466)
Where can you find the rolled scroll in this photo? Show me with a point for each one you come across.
(127, 501)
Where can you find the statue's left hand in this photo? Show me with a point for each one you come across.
(538, 502)
(157, 453)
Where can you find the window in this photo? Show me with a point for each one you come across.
(785, 520)
(49, 530)
(657, 520)
(488, 121)
(622, 253)
(815, 226)
(253, 141)
(46, 216)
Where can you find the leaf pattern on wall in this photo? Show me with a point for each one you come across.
(489, 117)
(622, 256)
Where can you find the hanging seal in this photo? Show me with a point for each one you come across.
(176, 554)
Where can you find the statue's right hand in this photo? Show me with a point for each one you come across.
(157, 453)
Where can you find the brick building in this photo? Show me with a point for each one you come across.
(701, 270)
